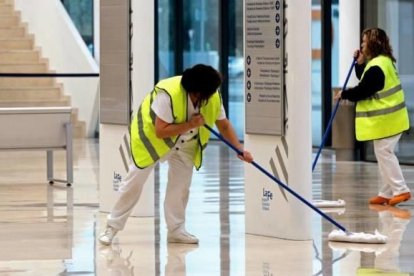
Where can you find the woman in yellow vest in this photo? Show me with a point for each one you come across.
(381, 114)
(168, 126)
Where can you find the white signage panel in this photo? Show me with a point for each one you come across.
(264, 55)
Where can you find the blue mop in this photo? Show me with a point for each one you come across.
(340, 202)
(329, 126)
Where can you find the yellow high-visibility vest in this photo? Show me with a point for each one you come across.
(384, 114)
(146, 148)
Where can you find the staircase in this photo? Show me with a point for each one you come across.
(19, 55)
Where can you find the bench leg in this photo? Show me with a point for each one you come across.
(50, 204)
(50, 166)
(69, 155)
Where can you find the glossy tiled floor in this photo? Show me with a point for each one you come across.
(52, 230)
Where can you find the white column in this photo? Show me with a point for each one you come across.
(96, 30)
(112, 136)
(349, 38)
(143, 50)
(283, 215)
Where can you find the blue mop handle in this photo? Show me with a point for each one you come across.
(277, 180)
(328, 128)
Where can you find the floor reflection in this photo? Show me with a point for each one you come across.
(271, 256)
(39, 228)
(117, 261)
(394, 222)
(176, 258)
(51, 230)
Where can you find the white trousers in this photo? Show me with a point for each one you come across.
(180, 173)
(389, 167)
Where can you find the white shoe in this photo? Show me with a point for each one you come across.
(106, 237)
(182, 237)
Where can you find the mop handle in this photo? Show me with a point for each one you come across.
(328, 128)
(277, 180)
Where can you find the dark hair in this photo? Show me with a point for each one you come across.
(378, 43)
(202, 79)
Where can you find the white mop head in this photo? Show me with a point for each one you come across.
(360, 247)
(339, 211)
(361, 237)
(329, 203)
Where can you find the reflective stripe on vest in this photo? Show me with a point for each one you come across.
(146, 148)
(145, 140)
(210, 113)
(381, 111)
(143, 137)
(387, 93)
(385, 113)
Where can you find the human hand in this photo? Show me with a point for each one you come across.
(338, 95)
(359, 56)
(246, 156)
(197, 120)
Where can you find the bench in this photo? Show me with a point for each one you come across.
(39, 128)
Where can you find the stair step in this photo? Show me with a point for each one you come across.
(19, 56)
(28, 93)
(12, 32)
(78, 129)
(74, 115)
(28, 103)
(26, 82)
(25, 43)
(24, 68)
(9, 21)
(6, 9)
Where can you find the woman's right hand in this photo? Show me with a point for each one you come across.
(197, 120)
(359, 56)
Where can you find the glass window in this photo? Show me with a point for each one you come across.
(166, 39)
(316, 79)
(397, 19)
(194, 37)
(201, 33)
(81, 13)
(236, 66)
(317, 65)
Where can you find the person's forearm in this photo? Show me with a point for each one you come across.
(372, 82)
(165, 130)
(228, 132)
(171, 130)
(359, 69)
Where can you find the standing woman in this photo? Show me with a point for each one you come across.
(381, 114)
